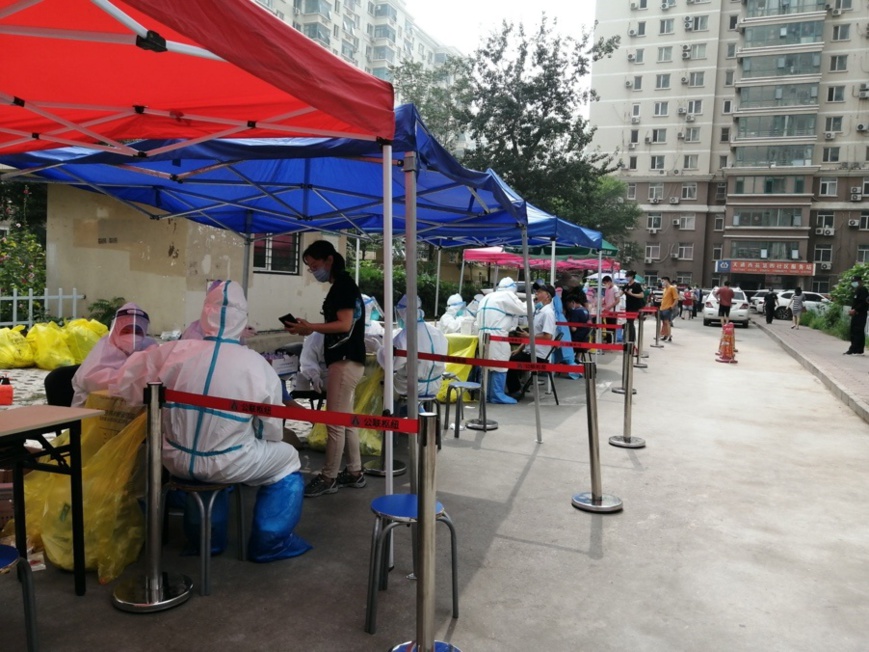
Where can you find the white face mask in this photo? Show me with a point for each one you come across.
(854, 284)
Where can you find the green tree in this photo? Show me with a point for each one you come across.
(608, 210)
(843, 292)
(25, 204)
(22, 268)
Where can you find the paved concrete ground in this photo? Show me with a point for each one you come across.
(743, 529)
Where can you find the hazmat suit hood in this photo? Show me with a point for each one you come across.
(507, 284)
(455, 304)
(401, 310)
(224, 313)
(130, 329)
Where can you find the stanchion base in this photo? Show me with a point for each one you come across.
(657, 346)
(133, 595)
(606, 503)
(372, 467)
(479, 424)
(627, 442)
(621, 390)
(640, 365)
(439, 646)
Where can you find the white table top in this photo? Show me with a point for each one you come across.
(30, 417)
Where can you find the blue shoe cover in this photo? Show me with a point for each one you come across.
(497, 380)
(277, 512)
(575, 376)
(219, 519)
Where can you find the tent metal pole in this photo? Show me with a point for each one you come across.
(358, 250)
(552, 264)
(410, 266)
(529, 304)
(388, 310)
(437, 285)
(462, 272)
(599, 295)
(245, 266)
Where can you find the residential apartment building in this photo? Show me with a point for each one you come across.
(742, 128)
(370, 35)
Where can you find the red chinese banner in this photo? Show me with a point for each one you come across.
(771, 267)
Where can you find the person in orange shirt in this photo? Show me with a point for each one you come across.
(669, 304)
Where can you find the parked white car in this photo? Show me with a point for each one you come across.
(756, 301)
(812, 301)
(738, 311)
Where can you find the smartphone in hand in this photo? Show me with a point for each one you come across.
(288, 319)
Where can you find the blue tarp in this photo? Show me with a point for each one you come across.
(306, 184)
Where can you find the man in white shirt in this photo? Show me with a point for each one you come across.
(544, 329)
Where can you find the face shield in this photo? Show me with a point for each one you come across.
(373, 311)
(401, 309)
(130, 328)
(455, 305)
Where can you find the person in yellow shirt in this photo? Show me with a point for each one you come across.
(669, 303)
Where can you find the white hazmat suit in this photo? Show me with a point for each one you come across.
(312, 365)
(499, 314)
(451, 320)
(373, 329)
(429, 340)
(129, 333)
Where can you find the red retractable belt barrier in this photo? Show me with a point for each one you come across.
(409, 426)
(500, 364)
(614, 327)
(624, 315)
(649, 309)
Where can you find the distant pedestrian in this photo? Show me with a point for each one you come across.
(725, 301)
(698, 300)
(669, 303)
(687, 304)
(635, 300)
(770, 303)
(859, 307)
(796, 305)
(610, 304)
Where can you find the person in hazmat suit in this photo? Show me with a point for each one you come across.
(451, 320)
(212, 445)
(312, 365)
(373, 329)
(128, 334)
(498, 315)
(429, 340)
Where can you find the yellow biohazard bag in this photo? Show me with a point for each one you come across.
(81, 335)
(463, 346)
(368, 400)
(15, 351)
(48, 342)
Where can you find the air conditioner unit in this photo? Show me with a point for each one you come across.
(649, 261)
(826, 265)
(628, 83)
(631, 56)
(635, 120)
(653, 231)
(632, 32)
(665, 6)
(836, 12)
(856, 197)
(634, 5)
(686, 48)
(689, 118)
(862, 127)
(674, 200)
(632, 146)
(685, 80)
(689, 2)
(682, 111)
(856, 190)
(676, 221)
(677, 171)
(863, 95)
(829, 231)
(689, 27)
(853, 222)
(688, 20)
(686, 55)
(829, 135)
(654, 200)
(819, 231)
(680, 135)
(648, 139)
(675, 256)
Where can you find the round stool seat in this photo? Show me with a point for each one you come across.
(466, 385)
(8, 556)
(187, 484)
(400, 507)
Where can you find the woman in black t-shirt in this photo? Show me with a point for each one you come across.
(344, 352)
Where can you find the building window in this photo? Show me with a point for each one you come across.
(656, 191)
(684, 278)
(278, 254)
(653, 250)
(696, 79)
(665, 54)
(638, 83)
(841, 32)
(640, 55)
(652, 278)
(725, 134)
(728, 77)
(685, 251)
(718, 225)
(667, 26)
(727, 106)
(662, 81)
(733, 20)
(661, 108)
(838, 63)
(722, 161)
(821, 285)
(653, 221)
(656, 163)
(635, 136)
(824, 220)
(698, 51)
(696, 23)
(717, 252)
(635, 110)
(689, 191)
(863, 253)
(824, 253)
(686, 222)
(632, 162)
(721, 190)
(691, 161)
(833, 123)
(692, 135)
(695, 106)
(659, 135)
(632, 191)
(843, 4)
(641, 28)
(830, 155)
(829, 188)
(836, 94)
(731, 50)
(866, 186)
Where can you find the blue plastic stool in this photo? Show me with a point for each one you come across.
(195, 489)
(8, 557)
(390, 511)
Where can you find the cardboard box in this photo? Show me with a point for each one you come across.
(285, 364)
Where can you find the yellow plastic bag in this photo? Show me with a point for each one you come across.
(15, 351)
(81, 335)
(368, 400)
(49, 346)
(463, 346)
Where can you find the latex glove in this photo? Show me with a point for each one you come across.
(316, 383)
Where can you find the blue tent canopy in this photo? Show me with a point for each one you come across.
(307, 184)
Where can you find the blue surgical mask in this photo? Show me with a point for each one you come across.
(321, 274)
(375, 315)
(538, 305)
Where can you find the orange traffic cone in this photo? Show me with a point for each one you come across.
(727, 346)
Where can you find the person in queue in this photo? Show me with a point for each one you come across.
(211, 445)
(499, 314)
(128, 334)
(669, 305)
(635, 300)
(344, 352)
(610, 303)
(577, 313)
(429, 340)
(451, 320)
(544, 329)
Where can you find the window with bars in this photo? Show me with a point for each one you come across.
(277, 254)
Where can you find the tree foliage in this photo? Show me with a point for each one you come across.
(609, 211)
(843, 292)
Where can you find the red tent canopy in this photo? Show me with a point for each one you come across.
(98, 72)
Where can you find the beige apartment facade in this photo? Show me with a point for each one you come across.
(742, 130)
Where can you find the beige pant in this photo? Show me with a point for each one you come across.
(340, 389)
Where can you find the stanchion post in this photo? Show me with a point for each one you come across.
(378, 467)
(641, 319)
(626, 441)
(483, 423)
(627, 360)
(596, 500)
(429, 437)
(154, 590)
(657, 330)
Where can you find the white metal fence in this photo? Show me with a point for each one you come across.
(28, 308)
